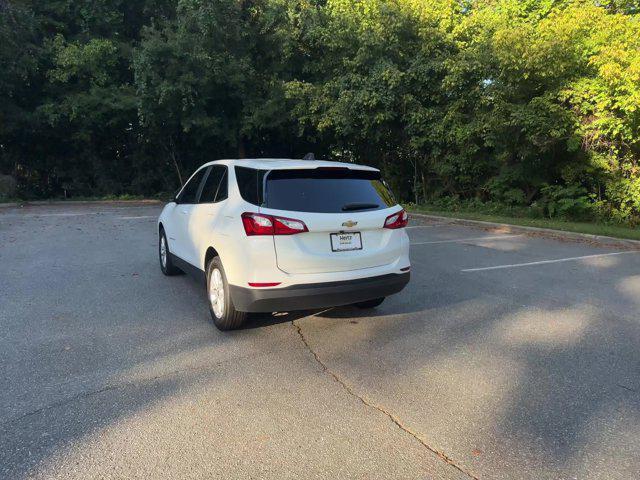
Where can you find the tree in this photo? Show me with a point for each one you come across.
(209, 82)
(517, 103)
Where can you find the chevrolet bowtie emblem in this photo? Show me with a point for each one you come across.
(349, 224)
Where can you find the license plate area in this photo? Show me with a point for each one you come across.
(345, 241)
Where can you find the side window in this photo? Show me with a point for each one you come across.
(223, 189)
(215, 187)
(190, 191)
(250, 184)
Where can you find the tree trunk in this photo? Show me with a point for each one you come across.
(415, 180)
(175, 164)
(242, 153)
(530, 195)
(173, 155)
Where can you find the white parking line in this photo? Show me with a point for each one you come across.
(458, 240)
(32, 215)
(136, 218)
(427, 226)
(544, 262)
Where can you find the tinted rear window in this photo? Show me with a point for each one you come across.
(190, 190)
(215, 187)
(326, 191)
(250, 184)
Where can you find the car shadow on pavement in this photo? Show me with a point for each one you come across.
(262, 320)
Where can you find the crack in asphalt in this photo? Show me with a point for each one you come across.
(398, 422)
(627, 388)
(62, 402)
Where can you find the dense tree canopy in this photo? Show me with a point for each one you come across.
(524, 103)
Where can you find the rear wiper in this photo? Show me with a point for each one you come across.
(349, 207)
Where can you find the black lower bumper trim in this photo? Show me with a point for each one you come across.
(317, 295)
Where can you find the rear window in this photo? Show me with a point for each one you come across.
(326, 190)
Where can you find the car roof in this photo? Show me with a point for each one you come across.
(286, 163)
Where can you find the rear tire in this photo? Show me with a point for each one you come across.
(164, 255)
(223, 312)
(370, 303)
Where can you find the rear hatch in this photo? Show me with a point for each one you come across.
(344, 211)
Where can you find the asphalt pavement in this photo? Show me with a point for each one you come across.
(508, 356)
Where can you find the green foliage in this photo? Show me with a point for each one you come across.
(18, 65)
(522, 218)
(529, 106)
(209, 84)
(569, 202)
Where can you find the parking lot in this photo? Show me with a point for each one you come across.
(508, 356)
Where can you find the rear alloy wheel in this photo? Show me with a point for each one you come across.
(221, 307)
(166, 264)
(216, 293)
(370, 303)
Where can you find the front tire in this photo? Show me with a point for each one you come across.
(370, 303)
(164, 255)
(221, 307)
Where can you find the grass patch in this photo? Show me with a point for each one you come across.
(118, 198)
(593, 228)
(165, 197)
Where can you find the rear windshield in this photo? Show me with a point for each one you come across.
(318, 190)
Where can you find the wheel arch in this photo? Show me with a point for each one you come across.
(209, 254)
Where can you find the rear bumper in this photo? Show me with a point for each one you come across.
(317, 295)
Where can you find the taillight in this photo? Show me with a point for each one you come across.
(397, 220)
(260, 224)
(256, 224)
(288, 226)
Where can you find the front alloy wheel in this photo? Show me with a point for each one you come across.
(163, 252)
(166, 264)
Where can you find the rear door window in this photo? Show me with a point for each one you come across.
(326, 190)
(215, 186)
(189, 193)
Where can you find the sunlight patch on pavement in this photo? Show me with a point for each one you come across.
(630, 286)
(546, 327)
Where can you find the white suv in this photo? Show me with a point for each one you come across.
(278, 235)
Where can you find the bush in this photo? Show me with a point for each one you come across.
(568, 202)
(475, 205)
